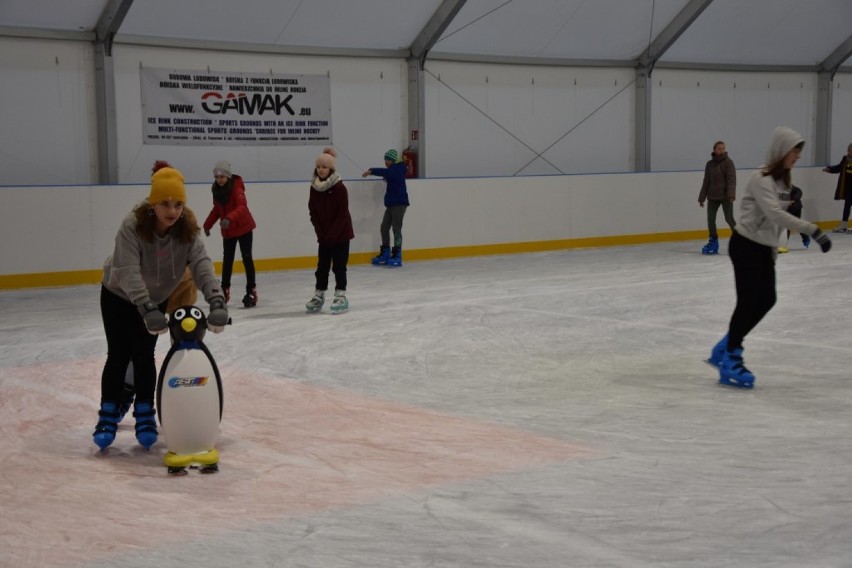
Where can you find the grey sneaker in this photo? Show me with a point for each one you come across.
(315, 304)
(340, 304)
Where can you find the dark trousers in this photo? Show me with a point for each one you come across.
(754, 273)
(392, 220)
(230, 246)
(713, 210)
(847, 205)
(334, 258)
(127, 340)
(796, 210)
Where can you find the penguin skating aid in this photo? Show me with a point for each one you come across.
(189, 396)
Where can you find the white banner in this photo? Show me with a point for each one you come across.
(212, 108)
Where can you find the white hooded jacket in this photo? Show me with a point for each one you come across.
(763, 208)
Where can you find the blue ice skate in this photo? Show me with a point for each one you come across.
(806, 241)
(382, 258)
(718, 352)
(396, 257)
(732, 371)
(104, 434)
(712, 246)
(146, 426)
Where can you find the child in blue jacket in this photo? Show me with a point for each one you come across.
(396, 202)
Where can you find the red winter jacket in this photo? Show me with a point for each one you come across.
(236, 211)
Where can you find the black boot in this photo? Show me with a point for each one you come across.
(250, 299)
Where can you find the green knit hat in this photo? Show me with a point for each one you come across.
(392, 155)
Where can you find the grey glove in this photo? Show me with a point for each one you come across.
(225, 223)
(206, 232)
(155, 320)
(823, 240)
(217, 319)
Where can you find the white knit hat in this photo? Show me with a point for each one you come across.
(222, 167)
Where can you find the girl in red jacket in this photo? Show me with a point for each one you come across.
(231, 209)
(329, 209)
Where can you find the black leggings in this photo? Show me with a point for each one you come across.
(334, 258)
(127, 340)
(754, 273)
(230, 246)
(847, 204)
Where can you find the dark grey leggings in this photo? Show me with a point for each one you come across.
(393, 219)
(713, 210)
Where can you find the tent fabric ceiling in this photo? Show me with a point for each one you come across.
(727, 32)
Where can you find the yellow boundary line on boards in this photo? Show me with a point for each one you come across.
(81, 277)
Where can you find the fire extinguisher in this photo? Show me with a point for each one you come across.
(409, 156)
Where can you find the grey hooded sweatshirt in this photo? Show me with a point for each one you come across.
(139, 271)
(763, 209)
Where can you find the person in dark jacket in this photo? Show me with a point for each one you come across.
(328, 206)
(795, 209)
(719, 188)
(396, 203)
(230, 208)
(844, 188)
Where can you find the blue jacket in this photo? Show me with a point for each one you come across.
(396, 192)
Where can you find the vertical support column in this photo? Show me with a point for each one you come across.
(822, 137)
(417, 113)
(642, 122)
(105, 111)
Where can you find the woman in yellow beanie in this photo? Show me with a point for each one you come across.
(155, 244)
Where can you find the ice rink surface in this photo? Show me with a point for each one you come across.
(537, 410)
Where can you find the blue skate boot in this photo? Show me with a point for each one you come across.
(396, 257)
(732, 371)
(146, 426)
(806, 241)
(382, 258)
(104, 434)
(712, 246)
(718, 352)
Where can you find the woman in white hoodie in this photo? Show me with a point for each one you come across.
(763, 217)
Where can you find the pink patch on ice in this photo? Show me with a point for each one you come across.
(287, 449)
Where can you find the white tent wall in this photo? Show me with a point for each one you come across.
(693, 109)
(48, 112)
(480, 119)
(841, 123)
(368, 100)
(497, 119)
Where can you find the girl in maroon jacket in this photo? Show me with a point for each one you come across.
(231, 209)
(329, 209)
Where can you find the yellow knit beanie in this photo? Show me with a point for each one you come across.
(166, 184)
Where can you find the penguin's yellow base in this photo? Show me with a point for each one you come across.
(210, 457)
